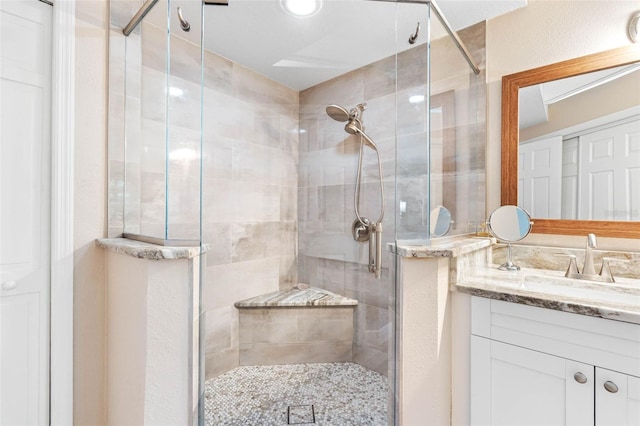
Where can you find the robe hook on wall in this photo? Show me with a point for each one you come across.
(184, 24)
(413, 37)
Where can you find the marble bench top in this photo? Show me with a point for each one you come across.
(300, 296)
(142, 250)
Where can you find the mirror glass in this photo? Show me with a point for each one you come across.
(574, 185)
(440, 221)
(509, 223)
(579, 146)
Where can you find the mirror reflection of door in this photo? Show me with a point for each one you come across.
(579, 150)
(540, 177)
(609, 170)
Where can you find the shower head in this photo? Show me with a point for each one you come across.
(354, 125)
(338, 113)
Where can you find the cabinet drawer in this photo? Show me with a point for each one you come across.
(606, 343)
(514, 386)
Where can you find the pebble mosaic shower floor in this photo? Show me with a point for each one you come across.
(333, 394)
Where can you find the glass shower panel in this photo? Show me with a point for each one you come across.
(155, 157)
(147, 62)
(279, 199)
(413, 144)
(458, 128)
(184, 103)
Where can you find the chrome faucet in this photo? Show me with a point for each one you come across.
(589, 270)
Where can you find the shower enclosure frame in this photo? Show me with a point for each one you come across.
(432, 6)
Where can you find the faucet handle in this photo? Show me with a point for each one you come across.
(572, 270)
(605, 270)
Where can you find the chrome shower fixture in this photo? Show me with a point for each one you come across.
(339, 113)
(353, 118)
(363, 229)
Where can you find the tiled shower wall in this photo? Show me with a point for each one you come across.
(250, 181)
(328, 257)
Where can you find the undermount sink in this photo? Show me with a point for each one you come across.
(625, 292)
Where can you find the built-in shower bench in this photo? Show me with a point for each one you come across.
(299, 325)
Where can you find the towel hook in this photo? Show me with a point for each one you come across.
(413, 37)
(184, 24)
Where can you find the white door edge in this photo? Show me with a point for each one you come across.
(62, 164)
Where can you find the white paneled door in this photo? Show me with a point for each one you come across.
(25, 111)
(610, 173)
(540, 177)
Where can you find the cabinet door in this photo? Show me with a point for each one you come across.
(617, 399)
(514, 386)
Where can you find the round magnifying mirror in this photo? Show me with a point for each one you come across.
(509, 224)
(440, 221)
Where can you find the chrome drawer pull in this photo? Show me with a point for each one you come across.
(610, 387)
(580, 378)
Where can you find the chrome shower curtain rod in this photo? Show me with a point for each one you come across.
(456, 39)
(148, 5)
(141, 13)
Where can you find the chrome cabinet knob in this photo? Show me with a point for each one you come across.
(610, 386)
(580, 377)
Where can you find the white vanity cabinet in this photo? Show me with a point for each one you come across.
(535, 366)
(617, 398)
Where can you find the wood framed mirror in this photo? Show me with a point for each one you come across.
(511, 89)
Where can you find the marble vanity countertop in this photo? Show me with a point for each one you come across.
(550, 289)
(446, 248)
(142, 250)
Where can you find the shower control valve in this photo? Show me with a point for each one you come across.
(360, 229)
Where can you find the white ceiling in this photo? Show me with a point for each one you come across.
(344, 35)
(533, 101)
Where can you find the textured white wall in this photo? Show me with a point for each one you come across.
(148, 304)
(544, 32)
(424, 360)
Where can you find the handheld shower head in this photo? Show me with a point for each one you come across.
(354, 125)
(353, 128)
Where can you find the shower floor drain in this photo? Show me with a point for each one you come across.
(301, 415)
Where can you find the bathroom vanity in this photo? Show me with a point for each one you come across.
(550, 350)
(517, 347)
(532, 365)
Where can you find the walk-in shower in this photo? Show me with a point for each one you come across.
(363, 229)
(226, 135)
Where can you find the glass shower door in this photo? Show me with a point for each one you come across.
(298, 327)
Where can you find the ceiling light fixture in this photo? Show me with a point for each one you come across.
(301, 8)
